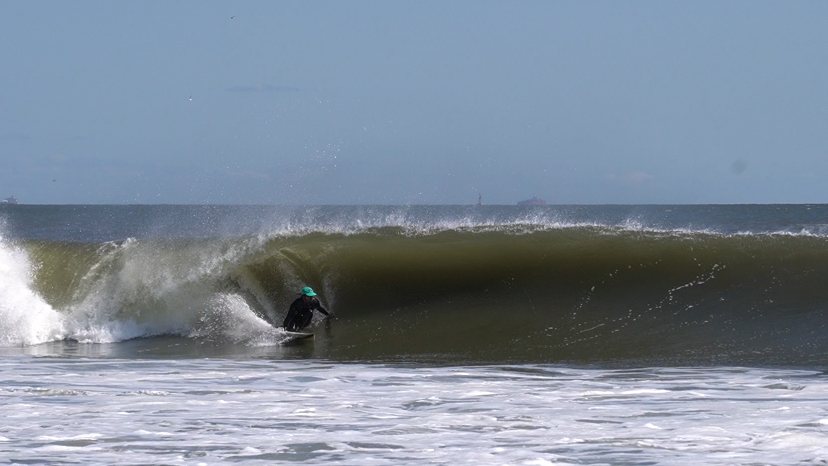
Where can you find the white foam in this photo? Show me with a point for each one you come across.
(537, 416)
(25, 317)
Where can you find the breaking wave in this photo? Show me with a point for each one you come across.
(509, 291)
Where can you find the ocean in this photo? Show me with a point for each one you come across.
(515, 335)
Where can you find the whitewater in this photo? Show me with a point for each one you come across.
(470, 334)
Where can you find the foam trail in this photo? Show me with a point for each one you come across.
(25, 318)
(228, 318)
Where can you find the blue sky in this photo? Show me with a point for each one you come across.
(414, 102)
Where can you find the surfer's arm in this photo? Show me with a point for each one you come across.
(321, 309)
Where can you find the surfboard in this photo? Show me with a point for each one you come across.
(295, 336)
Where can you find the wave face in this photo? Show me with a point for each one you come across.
(526, 287)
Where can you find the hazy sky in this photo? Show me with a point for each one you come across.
(414, 102)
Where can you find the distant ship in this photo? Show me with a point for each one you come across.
(533, 201)
(9, 200)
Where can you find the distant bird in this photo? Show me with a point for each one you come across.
(191, 98)
(232, 17)
(54, 180)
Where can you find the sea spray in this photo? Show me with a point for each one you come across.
(25, 317)
(227, 318)
(120, 290)
(157, 288)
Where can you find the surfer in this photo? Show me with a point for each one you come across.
(301, 311)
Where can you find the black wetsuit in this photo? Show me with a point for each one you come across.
(300, 314)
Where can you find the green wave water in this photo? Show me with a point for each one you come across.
(584, 294)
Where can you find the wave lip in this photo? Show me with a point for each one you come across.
(96, 224)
